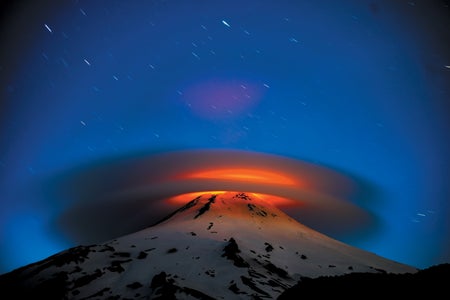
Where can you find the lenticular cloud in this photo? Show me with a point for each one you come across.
(122, 196)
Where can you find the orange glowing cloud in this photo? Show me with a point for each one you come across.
(315, 193)
(242, 174)
(141, 189)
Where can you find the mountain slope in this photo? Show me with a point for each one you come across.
(218, 246)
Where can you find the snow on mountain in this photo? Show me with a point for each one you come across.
(218, 246)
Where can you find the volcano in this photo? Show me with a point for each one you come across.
(228, 245)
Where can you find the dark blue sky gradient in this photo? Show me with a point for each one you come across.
(362, 87)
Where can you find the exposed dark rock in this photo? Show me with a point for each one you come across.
(234, 288)
(99, 293)
(276, 283)
(77, 269)
(210, 225)
(135, 285)
(242, 196)
(255, 209)
(379, 270)
(269, 247)
(231, 251)
(262, 213)
(249, 282)
(303, 256)
(193, 233)
(172, 250)
(196, 294)
(162, 288)
(186, 207)
(122, 254)
(142, 255)
(116, 265)
(254, 274)
(206, 207)
(159, 280)
(73, 255)
(189, 204)
(211, 273)
(276, 270)
(84, 280)
(107, 248)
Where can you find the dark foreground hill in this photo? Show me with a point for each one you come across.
(431, 283)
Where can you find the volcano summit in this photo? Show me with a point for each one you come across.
(227, 245)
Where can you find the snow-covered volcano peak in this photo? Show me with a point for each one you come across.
(231, 205)
(227, 245)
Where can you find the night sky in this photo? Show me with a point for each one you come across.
(93, 89)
